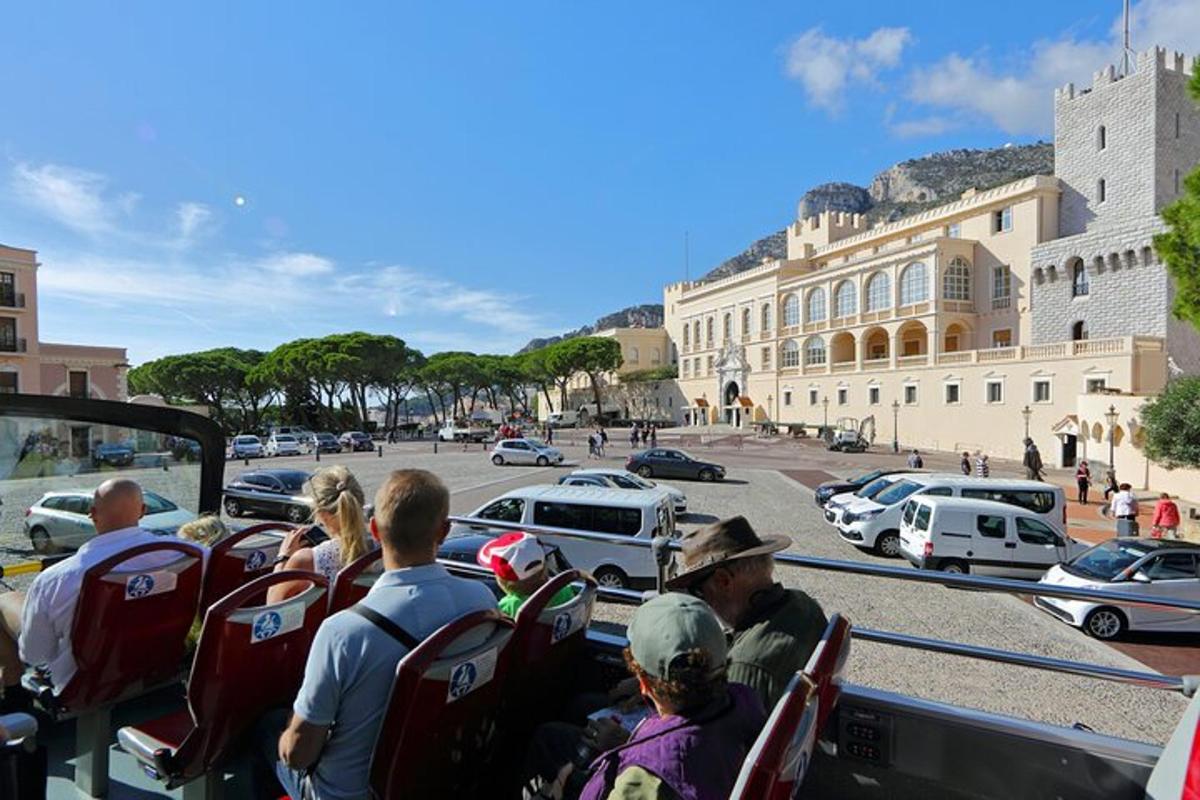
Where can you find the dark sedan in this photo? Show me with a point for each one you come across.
(277, 493)
(356, 441)
(326, 443)
(661, 462)
(112, 454)
(828, 489)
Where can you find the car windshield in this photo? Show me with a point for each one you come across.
(326, 437)
(1106, 561)
(246, 440)
(896, 493)
(865, 478)
(874, 487)
(285, 438)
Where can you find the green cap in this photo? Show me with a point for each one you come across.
(671, 625)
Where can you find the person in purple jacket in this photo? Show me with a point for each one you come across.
(700, 728)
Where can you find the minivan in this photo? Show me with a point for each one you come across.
(982, 537)
(875, 523)
(638, 515)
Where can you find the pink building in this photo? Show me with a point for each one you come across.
(31, 366)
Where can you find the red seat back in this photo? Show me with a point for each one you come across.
(775, 766)
(239, 559)
(355, 579)
(439, 730)
(131, 623)
(550, 641)
(250, 659)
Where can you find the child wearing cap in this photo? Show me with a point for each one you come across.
(519, 562)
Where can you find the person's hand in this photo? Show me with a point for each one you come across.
(624, 690)
(604, 734)
(294, 541)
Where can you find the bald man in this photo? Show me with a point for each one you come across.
(40, 622)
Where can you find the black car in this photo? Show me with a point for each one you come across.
(662, 462)
(112, 454)
(326, 443)
(277, 493)
(828, 489)
(355, 441)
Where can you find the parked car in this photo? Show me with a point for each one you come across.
(354, 441)
(828, 489)
(60, 520)
(277, 493)
(622, 479)
(833, 509)
(661, 462)
(112, 454)
(525, 451)
(325, 443)
(246, 446)
(982, 537)
(1166, 568)
(282, 444)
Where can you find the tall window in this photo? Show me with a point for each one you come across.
(791, 310)
(1079, 280)
(8, 334)
(1079, 331)
(994, 391)
(845, 299)
(708, 332)
(813, 397)
(1041, 391)
(914, 284)
(954, 230)
(1101, 191)
(910, 395)
(696, 333)
(1002, 220)
(687, 368)
(873, 395)
(766, 358)
(956, 282)
(8, 286)
(77, 383)
(727, 327)
(843, 396)
(686, 334)
(1101, 138)
(879, 292)
(815, 310)
(814, 351)
(766, 317)
(1001, 287)
(790, 356)
(745, 322)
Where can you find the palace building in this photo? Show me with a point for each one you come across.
(1038, 304)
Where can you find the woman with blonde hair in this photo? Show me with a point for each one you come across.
(338, 501)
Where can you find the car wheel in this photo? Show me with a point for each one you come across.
(298, 514)
(498, 460)
(1105, 623)
(41, 541)
(542, 461)
(612, 578)
(954, 567)
(888, 544)
(645, 471)
(707, 475)
(232, 507)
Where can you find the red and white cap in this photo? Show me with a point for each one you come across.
(513, 556)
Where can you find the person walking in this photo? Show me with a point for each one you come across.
(645, 434)
(591, 445)
(982, 470)
(549, 434)
(603, 440)
(1125, 510)
(1032, 461)
(634, 435)
(965, 464)
(1083, 480)
(1110, 482)
(653, 436)
(1166, 518)
(914, 460)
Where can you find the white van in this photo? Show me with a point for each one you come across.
(638, 515)
(983, 537)
(875, 523)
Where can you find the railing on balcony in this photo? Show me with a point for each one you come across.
(997, 354)
(844, 366)
(1001, 302)
(876, 316)
(1095, 347)
(959, 357)
(876, 363)
(12, 300)
(913, 360)
(12, 345)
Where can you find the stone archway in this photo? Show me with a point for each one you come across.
(732, 405)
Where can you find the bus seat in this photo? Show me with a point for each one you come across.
(250, 659)
(775, 766)
(439, 730)
(551, 641)
(233, 561)
(354, 580)
(130, 639)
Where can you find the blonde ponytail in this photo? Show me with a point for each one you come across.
(336, 492)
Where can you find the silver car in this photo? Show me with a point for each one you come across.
(525, 451)
(60, 520)
(282, 444)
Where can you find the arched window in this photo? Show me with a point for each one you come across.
(655, 355)
(1079, 331)
(686, 333)
(914, 284)
(956, 281)
(696, 333)
(789, 354)
(727, 327)
(1079, 279)
(815, 307)
(845, 299)
(745, 322)
(634, 356)
(708, 331)
(814, 351)
(879, 292)
(791, 311)
(766, 317)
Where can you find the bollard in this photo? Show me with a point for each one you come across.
(435, 441)
(318, 452)
(246, 460)
(380, 451)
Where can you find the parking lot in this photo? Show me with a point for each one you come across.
(765, 485)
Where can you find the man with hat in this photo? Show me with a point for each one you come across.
(775, 630)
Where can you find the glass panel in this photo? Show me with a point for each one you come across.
(990, 526)
(1032, 531)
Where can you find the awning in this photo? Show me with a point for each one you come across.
(745, 402)
(701, 402)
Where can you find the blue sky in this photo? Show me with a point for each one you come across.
(469, 175)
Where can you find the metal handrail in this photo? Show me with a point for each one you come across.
(974, 582)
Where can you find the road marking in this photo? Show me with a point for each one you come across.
(485, 484)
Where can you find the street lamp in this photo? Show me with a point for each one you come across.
(1026, 412)
(825, 405)
(895, 426)
(1111, 416)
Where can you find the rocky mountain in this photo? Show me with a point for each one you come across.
(649, 315)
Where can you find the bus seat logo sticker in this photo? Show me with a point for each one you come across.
(148, 584)
(467, 676)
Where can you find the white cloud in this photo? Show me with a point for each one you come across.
(300, 265)
(826, 65)
(72, 197)
(191, 218)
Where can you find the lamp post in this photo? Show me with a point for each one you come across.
(825, 405)
(1111, 416)
(1026, 412)
(895, 426)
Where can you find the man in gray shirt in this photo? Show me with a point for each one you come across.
(352, 664)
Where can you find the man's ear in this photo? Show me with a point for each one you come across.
(374, 529)
(445, 532)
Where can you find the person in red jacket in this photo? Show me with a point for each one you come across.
(1166, 518)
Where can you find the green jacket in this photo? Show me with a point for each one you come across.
(774, 641)
(511, 603)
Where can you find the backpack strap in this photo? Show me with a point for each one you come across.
(386, 625)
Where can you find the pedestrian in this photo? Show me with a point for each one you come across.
(653, 436)
(634, 435)
(914, 460)
(1125, 510)
(549, 434)
(1110, 482)
(1166, 518)
(603, 440)
(982, 470)
(1083, 479)
(1032, 461)
(591, 445)
(645, 434)
(965, 464)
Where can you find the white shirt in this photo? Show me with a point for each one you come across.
(1124, 503)
(50, 602)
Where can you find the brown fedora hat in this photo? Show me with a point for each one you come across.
(707, 548)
